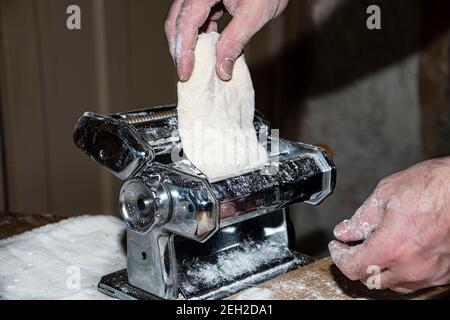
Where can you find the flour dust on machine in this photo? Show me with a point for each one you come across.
(189, 237)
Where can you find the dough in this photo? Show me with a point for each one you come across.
(215, 117)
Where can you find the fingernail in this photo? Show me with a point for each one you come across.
(185, 65)
(338, 251)
(182, 77)
(178, 64)
(335, 244)
(335, 249)
(226, 68)
(331, 245)
(183, 72)
(340, 228)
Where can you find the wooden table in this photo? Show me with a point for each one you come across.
(15, 223)
(320, 280)
(323, 280)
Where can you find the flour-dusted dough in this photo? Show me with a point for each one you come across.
(216, 117)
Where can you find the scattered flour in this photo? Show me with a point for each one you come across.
(47, 262)
(216, 117)
(235, 263)
(255, 294)
(365, 220)
(44, 263)
(305, 287)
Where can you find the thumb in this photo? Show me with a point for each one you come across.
(354, 261)
(363, 223)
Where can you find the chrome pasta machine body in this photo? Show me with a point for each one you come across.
(189, 237)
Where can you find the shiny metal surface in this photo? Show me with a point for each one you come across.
(303, 175)
(180, 224)
(142, 206)
(150, 117)
(150, 262)
(112, 143)
(122, 142)
(116, 284)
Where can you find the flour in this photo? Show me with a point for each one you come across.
(341, 252)
(304, 287)
(235, 263)
(61, 261)
(364, 222)
(245, 283)
(255, 294)
(216, 117)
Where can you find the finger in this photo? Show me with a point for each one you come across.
(411, 286)
(210, 26)
(403, 283)
(365, 220)
(381, 280)
(248, 18)
(282, 4)
(233, 39)
(230, 45)
(406, 288)
(354, 261)
(170, 25)
(390, 280)
(192, 17)
(211, 23)
(341, 252)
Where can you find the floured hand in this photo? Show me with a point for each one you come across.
(187, 18)
(405, 229)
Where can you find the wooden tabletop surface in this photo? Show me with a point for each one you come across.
(320, 280)
(15, 223)
(323, 280)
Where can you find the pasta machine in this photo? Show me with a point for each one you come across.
(189, 237)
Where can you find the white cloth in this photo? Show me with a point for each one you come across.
(216, 117)
(62, 261)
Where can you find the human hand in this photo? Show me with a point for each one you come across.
(405, 229)
(187, 18)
